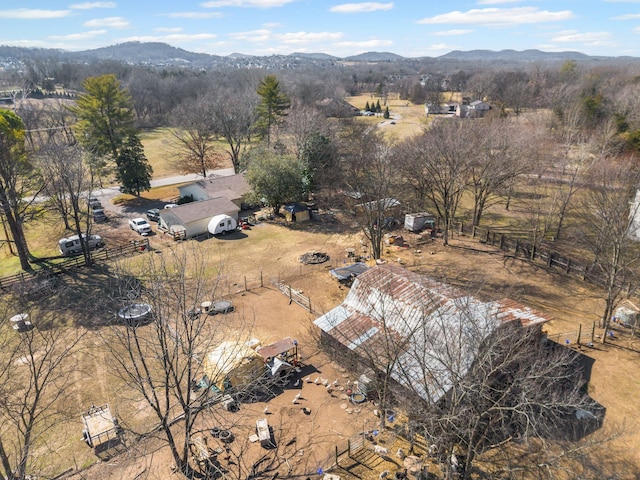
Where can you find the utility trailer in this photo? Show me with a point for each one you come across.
(100, 427)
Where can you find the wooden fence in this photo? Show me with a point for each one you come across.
(295, 296)
(46, 269)
(539, 254)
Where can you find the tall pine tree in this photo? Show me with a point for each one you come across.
(134, 171)
(272, 107)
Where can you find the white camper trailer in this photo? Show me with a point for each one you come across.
(71, 245)
(221, 224)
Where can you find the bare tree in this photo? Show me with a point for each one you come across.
(518, 389)
(162, 360)
(234, 117)
(436, 165)
(35, 373)
(472, 375)
(608, 225)
(370, 175)
(67, 178)
(499, 158)
(194, 135)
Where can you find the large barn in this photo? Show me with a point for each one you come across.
(423, 323)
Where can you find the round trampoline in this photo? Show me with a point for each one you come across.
(135, 313)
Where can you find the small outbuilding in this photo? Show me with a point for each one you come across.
(232, 364)
(296, 212)
(627, 314)
(416, 222)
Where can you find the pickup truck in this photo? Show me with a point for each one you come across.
(140, 225)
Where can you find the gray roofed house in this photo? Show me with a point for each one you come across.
(192, 219)
(431, 323)
(234, 187)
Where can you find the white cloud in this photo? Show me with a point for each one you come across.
(252, 36)
(299, 38)
(110, 22)
(447, 33)
(497, 2)
(361, 7)
(33, 14)
(168, 30)
(245, 3)
(590, 38)
(272, 25)
(373, 43)
(192, 15)
(498, 16)
(79, 36)
(628, 16)
(91, 5)
(172, 38)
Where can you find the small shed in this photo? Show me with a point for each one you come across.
(387, 205)
(232, 364)
(416, 222)
(286, 349)
(296, 212)
(627, 314)
(347, 274)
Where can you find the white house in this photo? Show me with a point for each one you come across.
(192, 219)
(233, 187)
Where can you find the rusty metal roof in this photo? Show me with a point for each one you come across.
(428, 318)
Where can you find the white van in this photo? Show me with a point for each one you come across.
(71, 245)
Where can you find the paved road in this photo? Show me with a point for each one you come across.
(106, 194)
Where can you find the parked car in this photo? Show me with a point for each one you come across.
(71, 245)
(94, 203)
(153, 214)
(100, 216)
(140, 225)
(171, 205)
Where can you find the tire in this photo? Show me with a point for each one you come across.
(215, 432)
(226, 436)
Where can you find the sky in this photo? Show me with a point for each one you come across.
(411, 28)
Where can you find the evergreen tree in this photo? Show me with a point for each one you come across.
(134, 171)
(272, 107)
(386, 112)
(105, 115)
(367, 108)
(378, 107)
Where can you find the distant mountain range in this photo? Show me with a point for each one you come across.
(155, 53)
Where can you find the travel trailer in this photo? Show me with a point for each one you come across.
(72, 246)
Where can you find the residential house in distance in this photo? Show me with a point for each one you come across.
(466, 109)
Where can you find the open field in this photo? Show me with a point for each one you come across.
(270, 252)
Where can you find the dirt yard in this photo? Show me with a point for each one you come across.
(251, 261)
